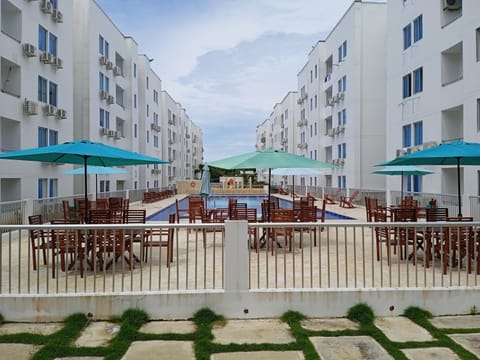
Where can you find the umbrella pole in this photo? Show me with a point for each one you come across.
(269, 191)
(96, 186)
(401, 189)
(458, 189)
(85, 185)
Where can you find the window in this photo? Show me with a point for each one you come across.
(104, 82)
(418, 29)
(100, 44)
(42, 137)
(478, 43)
(52, 187)
(316, 71)
(478, 114)
(47, 188)
(103, 47)
(407, 86)
(342, 51)
(418, 80)
(104, 118)
(155, 96)
(42, 89)
(147, 82)
(311, 75)
(134, 70)
(52, 137)
(155, 141)
(134, 101)
(42, 39)
(104, 185)
(42, 188)
(54, 4)
(407, 136)
(342, 84)
(135, 131)
(52, 44)
(315, 126)
(418, 133)
(407, 36)
(52, 94)
(311, 104)
(148, 136)
(316, 101)
(148, 110)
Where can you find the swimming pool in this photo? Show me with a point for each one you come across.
(221, 201)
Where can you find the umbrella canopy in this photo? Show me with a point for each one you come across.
(82, 152)
(452, 153)
(271, 159)
(97, 170)
(205, 188)
(403, 170)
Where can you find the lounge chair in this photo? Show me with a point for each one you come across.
(347, 201)
(331, 198)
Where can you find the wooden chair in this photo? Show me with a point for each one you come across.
(208, 218)
(196, 209)
(436, 214)
(67, 242)
(238, 211)
(253, 232)
(68, 213)
(347, 201)
(136, 216)
(284, 216)
(371, 205)
(457, 244)
(182, 213)
(332, 198)
(39, 240)
(308, 214)
(160, 237)
(406, 236)
(101, 204)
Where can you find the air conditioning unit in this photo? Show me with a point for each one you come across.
(330, 101)
(103, 60)
(340, 96)
(429, 144)
(103, 95)
(337, 130)
(342, 128)
(170, 122)
(111, 133)
(49, 110)
(110, 99)
(58, 63)
(29, 50)
(414, 149)
(30, 107)
(104, 131)
(46, 57)
(57, 16)
(117, 71)
(61, 114)
(118, 135)
(452, 4)
(155, 127)
(156, 171)
(171, 141)
(46, 6)
(109, 65)
(341, 161)
(400, 152)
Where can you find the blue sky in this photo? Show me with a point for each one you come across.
(226, 61)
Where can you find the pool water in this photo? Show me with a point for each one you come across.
(221, 201)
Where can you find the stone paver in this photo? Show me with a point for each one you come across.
(349, 347)
(401, 329)
(32, 328)
(457, 322)
(329, 324)
(260, 355)
(80, 358)
(431, 354)
(160, 349)
(97, 333)
(17, 351)
(252, 332)
(471, 342)
(162, 327)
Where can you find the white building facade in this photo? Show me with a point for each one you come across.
(69, 75)
(432, 85)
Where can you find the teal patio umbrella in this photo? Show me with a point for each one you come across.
(402, 171)
(83, 152)
(206, 187)
(97, 170)
(271, 159)
(455, 153)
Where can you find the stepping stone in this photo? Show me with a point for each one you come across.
(349, 347)
(80, 358)
(431, 354)
(471, 342)
(18, 351)
(457, 322)
(401, 329)
(32, 328)
(163, 327)
(252, 332)
(260, 355)
(329, 324)
(157, 349)
(97, 333)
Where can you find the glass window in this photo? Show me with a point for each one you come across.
(101, 80)
(42, 137)
(100, 44)
(407, 86)
(42, 187)
(106, 49)
(407, 136)
(42, 39)
(134, 101)
(407, 36)
(418, 80)
(344, 47)
(135, 131)
(478, 114)
(418, 133)
(344, 150)
(134, 70)
(52, 44)
(42, 89)
(107, 84)
(52, 94)
(418, 28)
(53, 137)
(52, 188)
(148, 136)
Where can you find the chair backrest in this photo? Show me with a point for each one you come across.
(135, 216)
(238, 211)
(282, 215)
(115, 203)
(354, 195)
(252, 215)
(101, 203)
(126, 204)
(66, 209)
(405, 214)
(100, 216)
(436, 214)
(308, 214)
(409, 203)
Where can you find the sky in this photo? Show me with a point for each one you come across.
(228, 62)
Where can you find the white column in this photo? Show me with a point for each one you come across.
(236, 265)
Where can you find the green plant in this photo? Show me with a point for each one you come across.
(473, 310)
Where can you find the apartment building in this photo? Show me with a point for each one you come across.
(73, 75)
(341, 99)
(36, 98)
(433, 93)
(278, 132)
